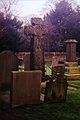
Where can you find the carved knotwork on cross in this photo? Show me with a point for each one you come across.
(39, 29)
(35, 32)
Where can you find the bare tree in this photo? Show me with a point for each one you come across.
(6, 6)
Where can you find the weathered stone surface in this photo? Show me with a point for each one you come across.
(38, 57)
(58, 58)
(26, 61)
(56, 89)
(71, 50)
(38, 54)
(8, 63)
(25, 88)
(72, 70)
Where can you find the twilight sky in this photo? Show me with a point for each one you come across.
(35, 7)
(32, 8)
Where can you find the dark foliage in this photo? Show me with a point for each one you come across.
(9, 36)
(67, 23)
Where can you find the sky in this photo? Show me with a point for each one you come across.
(30, 7)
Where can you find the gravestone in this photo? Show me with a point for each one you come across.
(25, 88)
(71, 50)
(38, 30)
(8, 63)
(72, 70)
(56, 88)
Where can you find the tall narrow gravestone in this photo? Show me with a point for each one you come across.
(71, 50)
(8, 62)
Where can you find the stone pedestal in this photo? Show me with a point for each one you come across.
(72, 70)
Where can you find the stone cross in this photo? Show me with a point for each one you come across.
(38, 30)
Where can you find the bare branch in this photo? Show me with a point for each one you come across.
(7, 5)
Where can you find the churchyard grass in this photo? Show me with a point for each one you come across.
(68, 110)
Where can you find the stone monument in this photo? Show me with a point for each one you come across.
(72, 70)
(71, 50)
(37, 26)
(39, 29)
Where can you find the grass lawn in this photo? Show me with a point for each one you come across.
(69, 110)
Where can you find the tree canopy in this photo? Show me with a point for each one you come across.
(63, 23)
(9, 35)
(66, 23)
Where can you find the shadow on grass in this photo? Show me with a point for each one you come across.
(69, 110)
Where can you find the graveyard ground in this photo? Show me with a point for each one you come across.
(69, 110)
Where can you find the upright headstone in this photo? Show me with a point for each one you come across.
(25, 88)
(8, 63)
(71, 50)
(56, 88)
